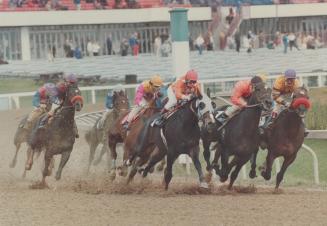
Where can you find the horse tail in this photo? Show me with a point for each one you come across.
(20, 132)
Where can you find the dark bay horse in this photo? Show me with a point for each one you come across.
(286, 135)
(97, 135)
(179, 135)
(117, 134)
(59, 137)
(240, 136)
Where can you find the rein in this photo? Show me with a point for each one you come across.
(252, 105)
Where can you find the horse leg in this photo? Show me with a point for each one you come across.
(123, 169)
(240, 163)
(91, 156)
(64, 158)
(51, 166)
(137, 163)
(113, 153)
(168, 171)
(269, 162)
(14, 161)
(214, 163)
(223, 173)
(206, 153)
(98, 160)
(287, 161)
(47, 159)
(29, 161)
(198, 167)
(161, 165)
(155, 158)
(253, 161)
(105, 146)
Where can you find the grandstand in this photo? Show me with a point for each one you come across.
(24, 36)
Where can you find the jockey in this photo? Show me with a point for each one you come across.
(109, 105)
(61, 88)
(242, 90)
(46, 95)
(109, 97)
(183, 88)
(283, 87)
(145, 93)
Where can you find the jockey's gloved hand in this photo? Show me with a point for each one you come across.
(159, 95)
(187, 97)
(285, 103)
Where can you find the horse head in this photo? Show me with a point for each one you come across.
(261, 95)
(300, 101)
(120, 101)
(73, 97)
(205, 108)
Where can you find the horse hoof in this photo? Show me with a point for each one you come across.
(39, 185)
(204, 185)
(58, 177)
(223, 179)
(151, 170)
(252, 174)
(112, 175)
(28, 166)
(208, 177)
(160, 168)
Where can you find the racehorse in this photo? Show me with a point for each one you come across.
(180, 134)
(117, 134)
(22, 135)
(240, 136)
(59, 136)
(97, 135)
(286, 135)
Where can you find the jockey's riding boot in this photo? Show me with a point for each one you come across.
(126, 125)
(43, 123)
(221, 118)
(161, 119)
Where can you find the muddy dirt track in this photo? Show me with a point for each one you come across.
(92, 200)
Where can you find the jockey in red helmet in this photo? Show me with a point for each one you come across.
(183, 88)
(242, 90)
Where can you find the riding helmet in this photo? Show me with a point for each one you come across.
(191, 75)
(290, 73)
(156, 80)
(71, 78)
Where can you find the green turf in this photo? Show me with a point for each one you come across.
(8, 85)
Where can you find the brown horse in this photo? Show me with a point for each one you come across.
(117, 134)
(59, 137)
(97, 135)
(286, 135)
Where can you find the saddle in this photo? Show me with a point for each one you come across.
(135, 118)
(160, 121)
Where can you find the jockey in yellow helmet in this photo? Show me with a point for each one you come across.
(146, 92)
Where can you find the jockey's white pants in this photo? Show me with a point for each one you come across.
(136, 109)
(171, 98)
